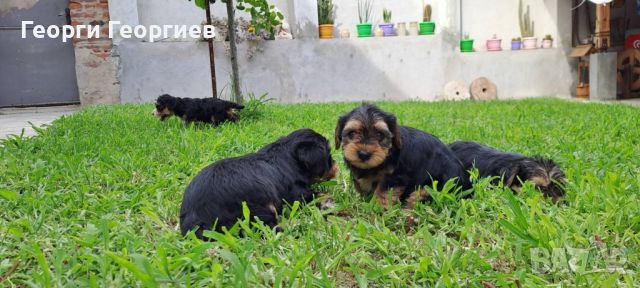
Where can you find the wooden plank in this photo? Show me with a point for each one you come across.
(602, 39)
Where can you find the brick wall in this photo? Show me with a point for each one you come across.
(95, 66)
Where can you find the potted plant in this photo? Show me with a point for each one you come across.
(325, 18)
(466, 44)
(387, 26)
(364, 14)
(526, 29)
(494, 44)
(426, 26)
(516, 43)
(547, 42)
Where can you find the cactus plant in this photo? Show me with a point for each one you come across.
(526, 24)
(426, 13)
(426, 26)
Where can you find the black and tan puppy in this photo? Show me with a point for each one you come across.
(279, 173)
(205, 110)
(512, 168)
(385, 157)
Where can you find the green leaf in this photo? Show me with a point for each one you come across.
(521, 234)
(8, 195)
(201, 3)
(146, 279)
(39, 254)
(245, 211)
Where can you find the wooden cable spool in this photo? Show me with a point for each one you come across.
(483, 89)
(455, 91)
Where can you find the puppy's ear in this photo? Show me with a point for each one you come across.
(312, 156)
(392, 122)
(511, 180)
(397, 138)
(339, 127)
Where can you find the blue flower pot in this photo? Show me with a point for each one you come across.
(515, 45)
(387, 29)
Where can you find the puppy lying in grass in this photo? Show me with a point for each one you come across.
(205, 110)
(279, 173)
(514, 168)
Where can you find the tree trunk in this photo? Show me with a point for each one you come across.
(212, 59)
(236, 88)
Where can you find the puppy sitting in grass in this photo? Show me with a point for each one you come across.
(386, 158)
(279, 173)
(512, 168)
(205, 110)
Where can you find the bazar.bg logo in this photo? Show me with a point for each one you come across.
(151, 33)
(578, 261)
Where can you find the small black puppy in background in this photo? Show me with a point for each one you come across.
(280, 172)
(206, 110)
(544, 173)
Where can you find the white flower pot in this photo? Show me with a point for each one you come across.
(529, 43)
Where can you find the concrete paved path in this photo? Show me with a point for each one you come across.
(635, 102)
(13, 120)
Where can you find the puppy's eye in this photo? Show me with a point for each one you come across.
(380, 135)
(352, 134)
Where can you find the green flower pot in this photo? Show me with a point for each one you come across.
(427, 28)
(466, 45)
(364, 29)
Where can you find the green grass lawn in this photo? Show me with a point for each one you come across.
(94, 201)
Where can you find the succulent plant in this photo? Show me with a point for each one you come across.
(386, 15)
(548, 37)
(325, 11)
(364, 10)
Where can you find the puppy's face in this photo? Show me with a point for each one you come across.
(164, 108)
(367, 135)
(314, 156)
(233, 114)
(545, 175)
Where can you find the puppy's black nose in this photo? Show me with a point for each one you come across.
(364, 155)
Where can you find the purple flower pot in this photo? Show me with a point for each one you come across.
(515, 45)
(387, 29)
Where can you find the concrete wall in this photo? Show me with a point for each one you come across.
(482, 19)
(398, 68)
(307, 69)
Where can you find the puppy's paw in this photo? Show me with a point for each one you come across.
(410, 223)
(327, 202)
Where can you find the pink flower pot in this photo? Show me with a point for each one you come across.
(494, 44)
(529, 43)
(546, 44)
